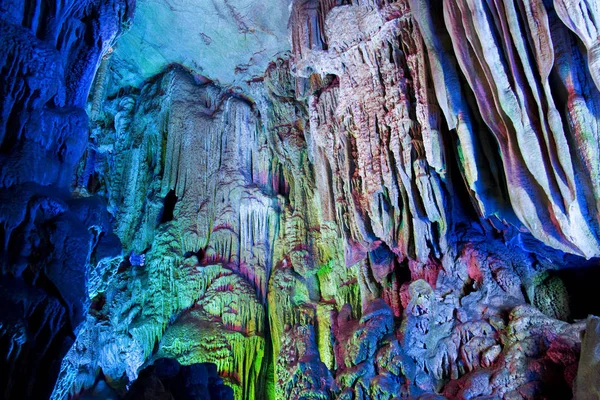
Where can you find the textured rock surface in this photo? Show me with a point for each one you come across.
(228, 40)
(185, 171)
(588, 380)
(50, 52)
(407, 205)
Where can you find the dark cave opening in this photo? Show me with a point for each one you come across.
(94, 183)
(169, 207)
(582, 285)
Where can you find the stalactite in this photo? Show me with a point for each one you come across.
(392, 210)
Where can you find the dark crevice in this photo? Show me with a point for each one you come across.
(169, 207)
(581, 283)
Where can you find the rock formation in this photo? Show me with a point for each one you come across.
(50, 52)
(406, 204)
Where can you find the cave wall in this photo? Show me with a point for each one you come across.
(393, 209)
(404, 206)
(458, 140)
(50, 52)
(188, 175)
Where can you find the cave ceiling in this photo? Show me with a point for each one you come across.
(229, 41)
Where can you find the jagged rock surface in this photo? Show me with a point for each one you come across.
(383, 215)
(50, 51)
(406, 206)
(188, 177)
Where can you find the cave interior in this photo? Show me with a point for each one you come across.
(300, 199)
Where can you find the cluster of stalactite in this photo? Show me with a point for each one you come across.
(187, 174)
(456, 141)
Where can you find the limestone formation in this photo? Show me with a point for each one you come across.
(50, 52)
(403, 203)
